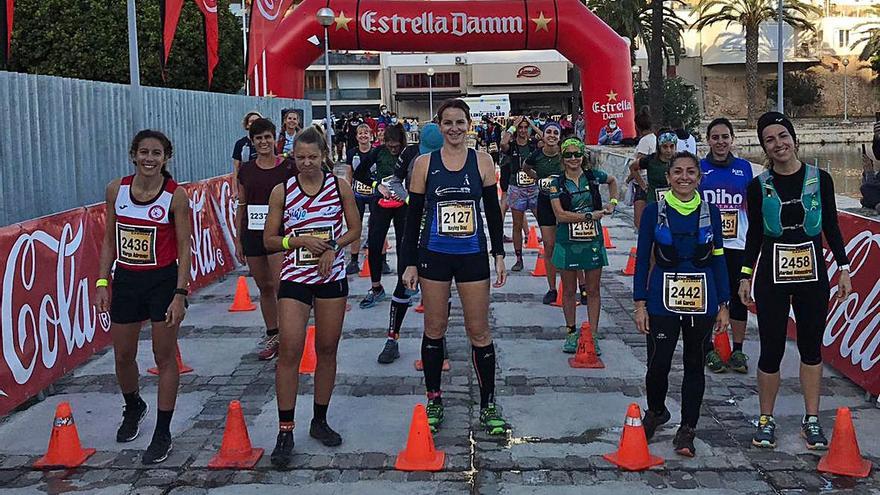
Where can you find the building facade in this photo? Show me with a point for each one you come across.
(355, 83)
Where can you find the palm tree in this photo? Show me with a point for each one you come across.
(870, 32)
(751, 14)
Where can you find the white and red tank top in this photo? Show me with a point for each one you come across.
(145, 235)
(318, 216)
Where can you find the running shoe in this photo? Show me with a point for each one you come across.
(714, 362)
(571, 342)
(518, 266)
(435, 415)
(684, 441)
(373, 298)
(270, 350)
(352, 268)
(386, 270)
(652, 421)
(550, 297)
(159, 449)
(390, 353)
(765, 434)
(739, 362)
(283, 449)
(583, 296)
(811, 430)
(490, 418)
(596, 344)
(321, 431)
(131, 421)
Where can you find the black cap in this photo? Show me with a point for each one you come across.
(771, 118)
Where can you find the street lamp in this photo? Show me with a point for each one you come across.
(780, 58)
(845, 62)
(325, 18)
(430, 73)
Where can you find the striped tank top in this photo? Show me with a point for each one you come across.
(318, 216)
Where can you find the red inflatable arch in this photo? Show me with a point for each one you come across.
(454, 25)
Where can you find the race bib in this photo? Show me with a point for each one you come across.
(659, 192)
(729, 223)
(456, 218)
(493, 147)
(523, 179)
(684, 292)
(547, 184)
(302, 256)
(582, 231)
(793, 263)
(257, 216)
(361, 188)
(136, 244)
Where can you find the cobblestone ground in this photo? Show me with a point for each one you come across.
(563, 419)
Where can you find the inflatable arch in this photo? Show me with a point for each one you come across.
(568, 26)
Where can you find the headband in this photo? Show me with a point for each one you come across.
(667, 137)
(771, 118)
(573, 142)
(552, 124)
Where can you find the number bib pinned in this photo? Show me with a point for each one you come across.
(547, 184)
(684, 292)
(582, 231)
(257, 216)
(363, 189)
(493, 147)
(302, 256)
(794, 263)
(729, 223)
(456, 218)
(136, 244)
(659, 192)
(523, 179)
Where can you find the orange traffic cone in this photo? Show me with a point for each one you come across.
(558, 301)
(242, 301)
(721, 342)
(365, 270)
(181, 367)
(844, 456)
(609, 244)
(630, 263)
(420, 454)
(532, 241)
(540, 269)
(586, 357)
(64, 447)
(420, 308)
(309, 359)
(236, 451)
(632, 453)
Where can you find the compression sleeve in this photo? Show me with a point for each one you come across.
(493, 219)
(755, 233)
(414, 213)
(362, 172)
(719, 261)
(643, 252)
(830, 226)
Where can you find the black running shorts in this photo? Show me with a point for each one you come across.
(137, 296)
(307, 293)
(462, 267)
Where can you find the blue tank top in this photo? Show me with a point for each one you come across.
(453, 223)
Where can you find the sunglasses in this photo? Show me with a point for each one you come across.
(572, 154)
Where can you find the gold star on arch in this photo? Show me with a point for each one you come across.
(612, 96)
(541, 22)
(342, 21)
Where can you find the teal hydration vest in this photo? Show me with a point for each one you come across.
(771, 205)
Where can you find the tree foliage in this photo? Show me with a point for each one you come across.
(800, 89)
(679, 102)
(88, 39)
(870, 38)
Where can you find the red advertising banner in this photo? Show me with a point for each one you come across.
(48, 321)
(851, 343)
(265, 15)
(169, 15)
(212, 33)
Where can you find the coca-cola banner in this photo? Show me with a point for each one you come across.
(568, 26)
(851, 343)
(48, 321)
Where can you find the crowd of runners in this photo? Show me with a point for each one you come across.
(701, 223)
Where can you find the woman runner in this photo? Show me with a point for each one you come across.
(364, 192)
(685, 292)
(790, 206)
(656, 165)
(244, 150)
(580, 245)
(309, 208)
(522, 193)
(290, 127)
(256, 179)
(446, 189)
(148, 235)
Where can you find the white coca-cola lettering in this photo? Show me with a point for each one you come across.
(456, 23)
(205, 256)
(855, 322)
(224, 208)
(66, 307)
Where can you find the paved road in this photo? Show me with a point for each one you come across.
(563, 419)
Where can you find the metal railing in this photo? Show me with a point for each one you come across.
(345, 94)
(350, 59)
(62, 140)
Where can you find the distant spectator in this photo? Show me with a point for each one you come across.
(610, 134)
(244, 150)
(686, 141)
(287, 136)
(580, 126)
(870, 188)
(370, 121)
(384, 116)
